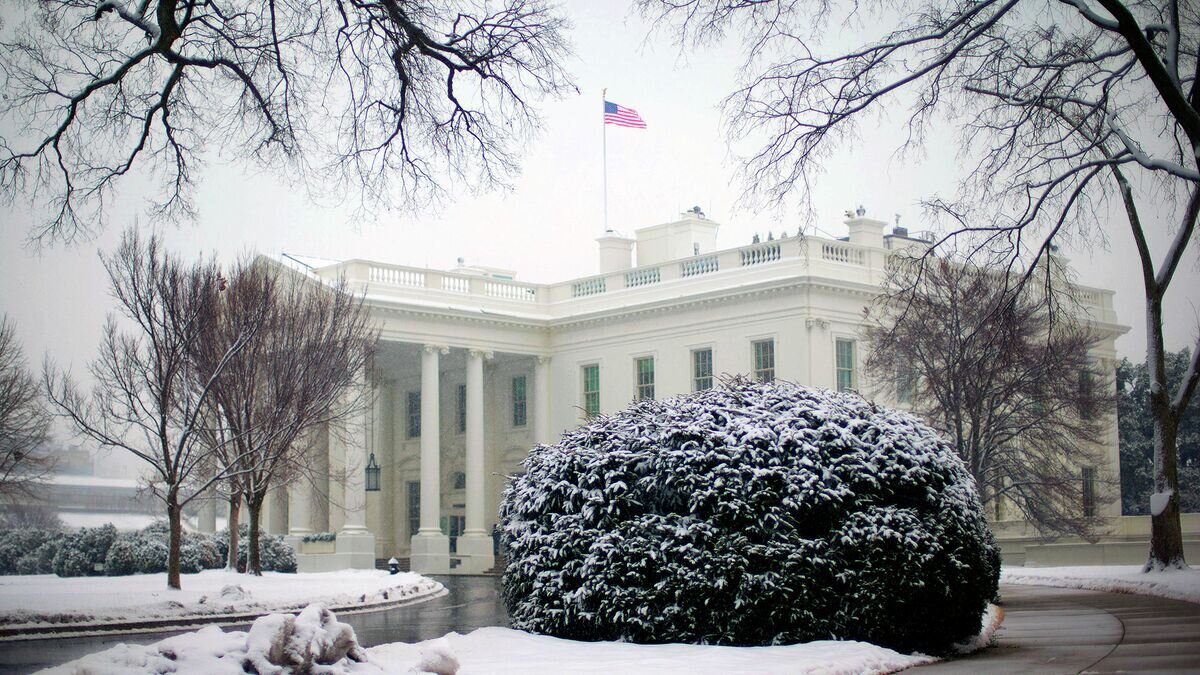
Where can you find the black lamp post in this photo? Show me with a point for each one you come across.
(372, 474)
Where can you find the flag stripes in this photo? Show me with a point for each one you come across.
(621, 116)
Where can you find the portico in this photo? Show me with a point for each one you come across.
(447, 425)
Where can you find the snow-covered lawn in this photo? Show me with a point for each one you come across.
(1177, 584)
(211, 651)
(46, 599)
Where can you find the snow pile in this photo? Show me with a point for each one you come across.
(1171, 583)
(315, 641)
(752, 514)
(503, 650)
(85, 602)
(495, 650)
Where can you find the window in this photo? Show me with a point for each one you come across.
(643, 369)
(1089, 492)
(518, 401)
(701, 369)
(414, 414)
(460, 480)
(845, 365)
(414, 507)
(460, 416)
(906, 381)
(764, 360)
(591, 390)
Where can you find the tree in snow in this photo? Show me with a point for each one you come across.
(390, 100)
(1137, 438)
(1009, 382)
(299, 374)
(145, 400)
(24, 421)
(1065, 108)
(749, 514)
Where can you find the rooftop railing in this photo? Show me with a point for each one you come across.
(835, 259)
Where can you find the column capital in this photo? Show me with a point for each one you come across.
(439, 349)
(542, 359)
(484, 353)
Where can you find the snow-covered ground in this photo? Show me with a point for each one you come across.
(211, 651)
(43, 599)
(1177, 584)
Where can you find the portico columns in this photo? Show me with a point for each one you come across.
(475, 544)
(355, 543)
(541, 399)
(430, 548)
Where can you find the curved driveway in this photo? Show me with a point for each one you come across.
(1063, 630)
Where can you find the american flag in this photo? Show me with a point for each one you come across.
(622, 116)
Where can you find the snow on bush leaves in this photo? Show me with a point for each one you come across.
(749, 514)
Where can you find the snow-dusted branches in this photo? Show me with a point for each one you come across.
(390, 99)
(150, 396)
(1012, 386)
(24, 421)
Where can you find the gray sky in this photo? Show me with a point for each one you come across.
(544, 227)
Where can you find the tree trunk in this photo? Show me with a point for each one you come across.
(253, 562)
(174, 521)
(1166, 537)
(235, 508)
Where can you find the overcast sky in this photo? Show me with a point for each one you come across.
(545, 226)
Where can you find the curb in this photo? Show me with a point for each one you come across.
(22, 632)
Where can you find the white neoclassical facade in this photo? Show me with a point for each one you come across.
(475, 367)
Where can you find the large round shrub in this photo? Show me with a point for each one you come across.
(749, 514)
(122, 556)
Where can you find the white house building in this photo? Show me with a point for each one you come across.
(475, 367)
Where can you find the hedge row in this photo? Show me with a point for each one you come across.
(102, 550)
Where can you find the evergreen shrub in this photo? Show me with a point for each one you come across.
(749, 514)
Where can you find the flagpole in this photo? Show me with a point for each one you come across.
(604, 125)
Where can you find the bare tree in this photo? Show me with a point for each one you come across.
(143, 400)
(390, 99)
(1012, 385)
(1065, 107)
(24, 422)
(302, 372)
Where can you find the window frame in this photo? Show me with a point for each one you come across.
(585, 393)
(520, 405)
(643, 388)
(757, 372)
(696, 377)
(413, 405)
(839, 369)
(460, 408)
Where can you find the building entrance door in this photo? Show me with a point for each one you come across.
(457, 525)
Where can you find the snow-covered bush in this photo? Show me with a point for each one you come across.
(122, 556)
(81, 553)
(150, 555)
(749, 514)
(22, 542)
(71, 561)
(274, 553)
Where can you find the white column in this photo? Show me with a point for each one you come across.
(207, 518)
(300, 508)
(475, 544)
(430, 548)
(355, 543)
(475, 478)
(354, 503)
(385, 454)
(541, 399)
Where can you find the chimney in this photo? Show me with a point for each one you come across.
(616, 252)
(864, 231)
